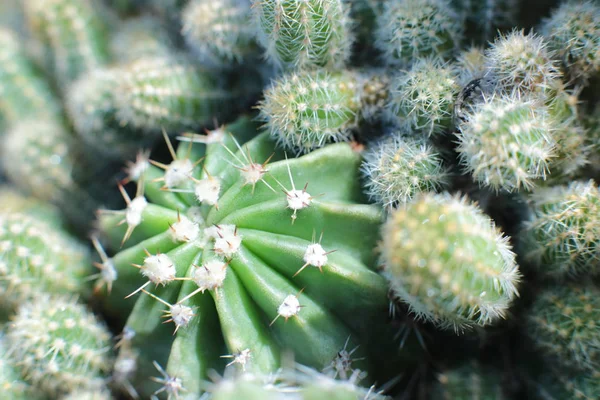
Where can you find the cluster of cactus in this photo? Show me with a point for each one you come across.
(299, 199)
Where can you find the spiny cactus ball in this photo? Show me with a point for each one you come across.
(410, 30)
(12, 383)
(468, 382)
(60, 345)
(573, 32)
(563, 236)
(140, 37)
(448, 262)
(304, 34)
(218, 31)
(399, 167)
(36, 257)
(563, 324)
(506, 143)
(521, 63)
(305, 110)
(423, 98)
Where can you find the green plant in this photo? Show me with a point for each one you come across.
(467, 382)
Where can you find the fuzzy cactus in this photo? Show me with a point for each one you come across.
(15, 202)
(423, 97)
(521, 64)
(74, 33)
(573, 32)
(38, 257)
(399, 167)
(304, 34)
(305, 110)
(140, 37)
(448, 262)
(96, 394)
(60, 345)
(562, 324)
(468, 382)
(563, 235)
(219, 31)
(24, 93)
(221, 244)
(13, 385)
(507, 142)
(410, 30)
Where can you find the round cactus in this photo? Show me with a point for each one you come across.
(423, 97)
(97, 394)
(563, 235)
(562, 323)
(567, 384)
(218, 31)
(306, 110)
(12, 383)
(410, 30)
(23, 91)
(74, 33)
(521, 63)
(399, 167)
(304, 34)
(140, 37)
(468, 382)
(573, 32)
(169, 93)
(60, 345)
(507, 142)
(36, 257)
(242, 269)
(448, 262)
(14, 202)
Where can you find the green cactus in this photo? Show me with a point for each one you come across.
(60, 345)
(97, 394)
(399, 167)
(562, 236)
(468, 382)
(15, 202)
(562, 323)
(411, 30)
(448, 262)
(304, 34)
(74, 33)
(24, 93)
(423, 97)
(140, 37)
(573, 32)
(222, 244)
(566, 384)
(305, 110)
(507, 142)
(485, 18)
(12, 383)
(38, 257)
(219, 31)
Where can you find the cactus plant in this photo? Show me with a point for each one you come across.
(448, 262)
(398, 167)
(467, 382)
(573, 32)
(507, 142)
(222, 243)
(304, 34)
(60, 345)
(562, 236)
(140, 37)
(485, 18)
(411, 30)
(11, 381)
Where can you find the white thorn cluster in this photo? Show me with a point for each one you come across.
(171, 385)
(315, 255)
(298, 199)
(178, 172)
(210, 275)
(135, 209)
(241, 358)
(207, 190)
(159, 269)
(184, 230)
(252, 173)
(227, 241)
(289, 307)
(181, 315)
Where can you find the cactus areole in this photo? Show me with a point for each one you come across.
(247, 254)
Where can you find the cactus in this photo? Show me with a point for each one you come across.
(15, 202)
(562, 324)
(74, 33)
(97, 394)
(304, 34)
(567, 384)
(486, 17)
(411, 30)
(38, 257)
(468, 382)
(24, 93)
(306, 110)
(60, 345)
(13, 385)
(219, 31)
(507, 143)
(221, 243)
(448, 262)
(521, 64)
(563, 234)
(167, 93)
(399, 167)
(140, 37)
(423, 97)
(573, 32)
